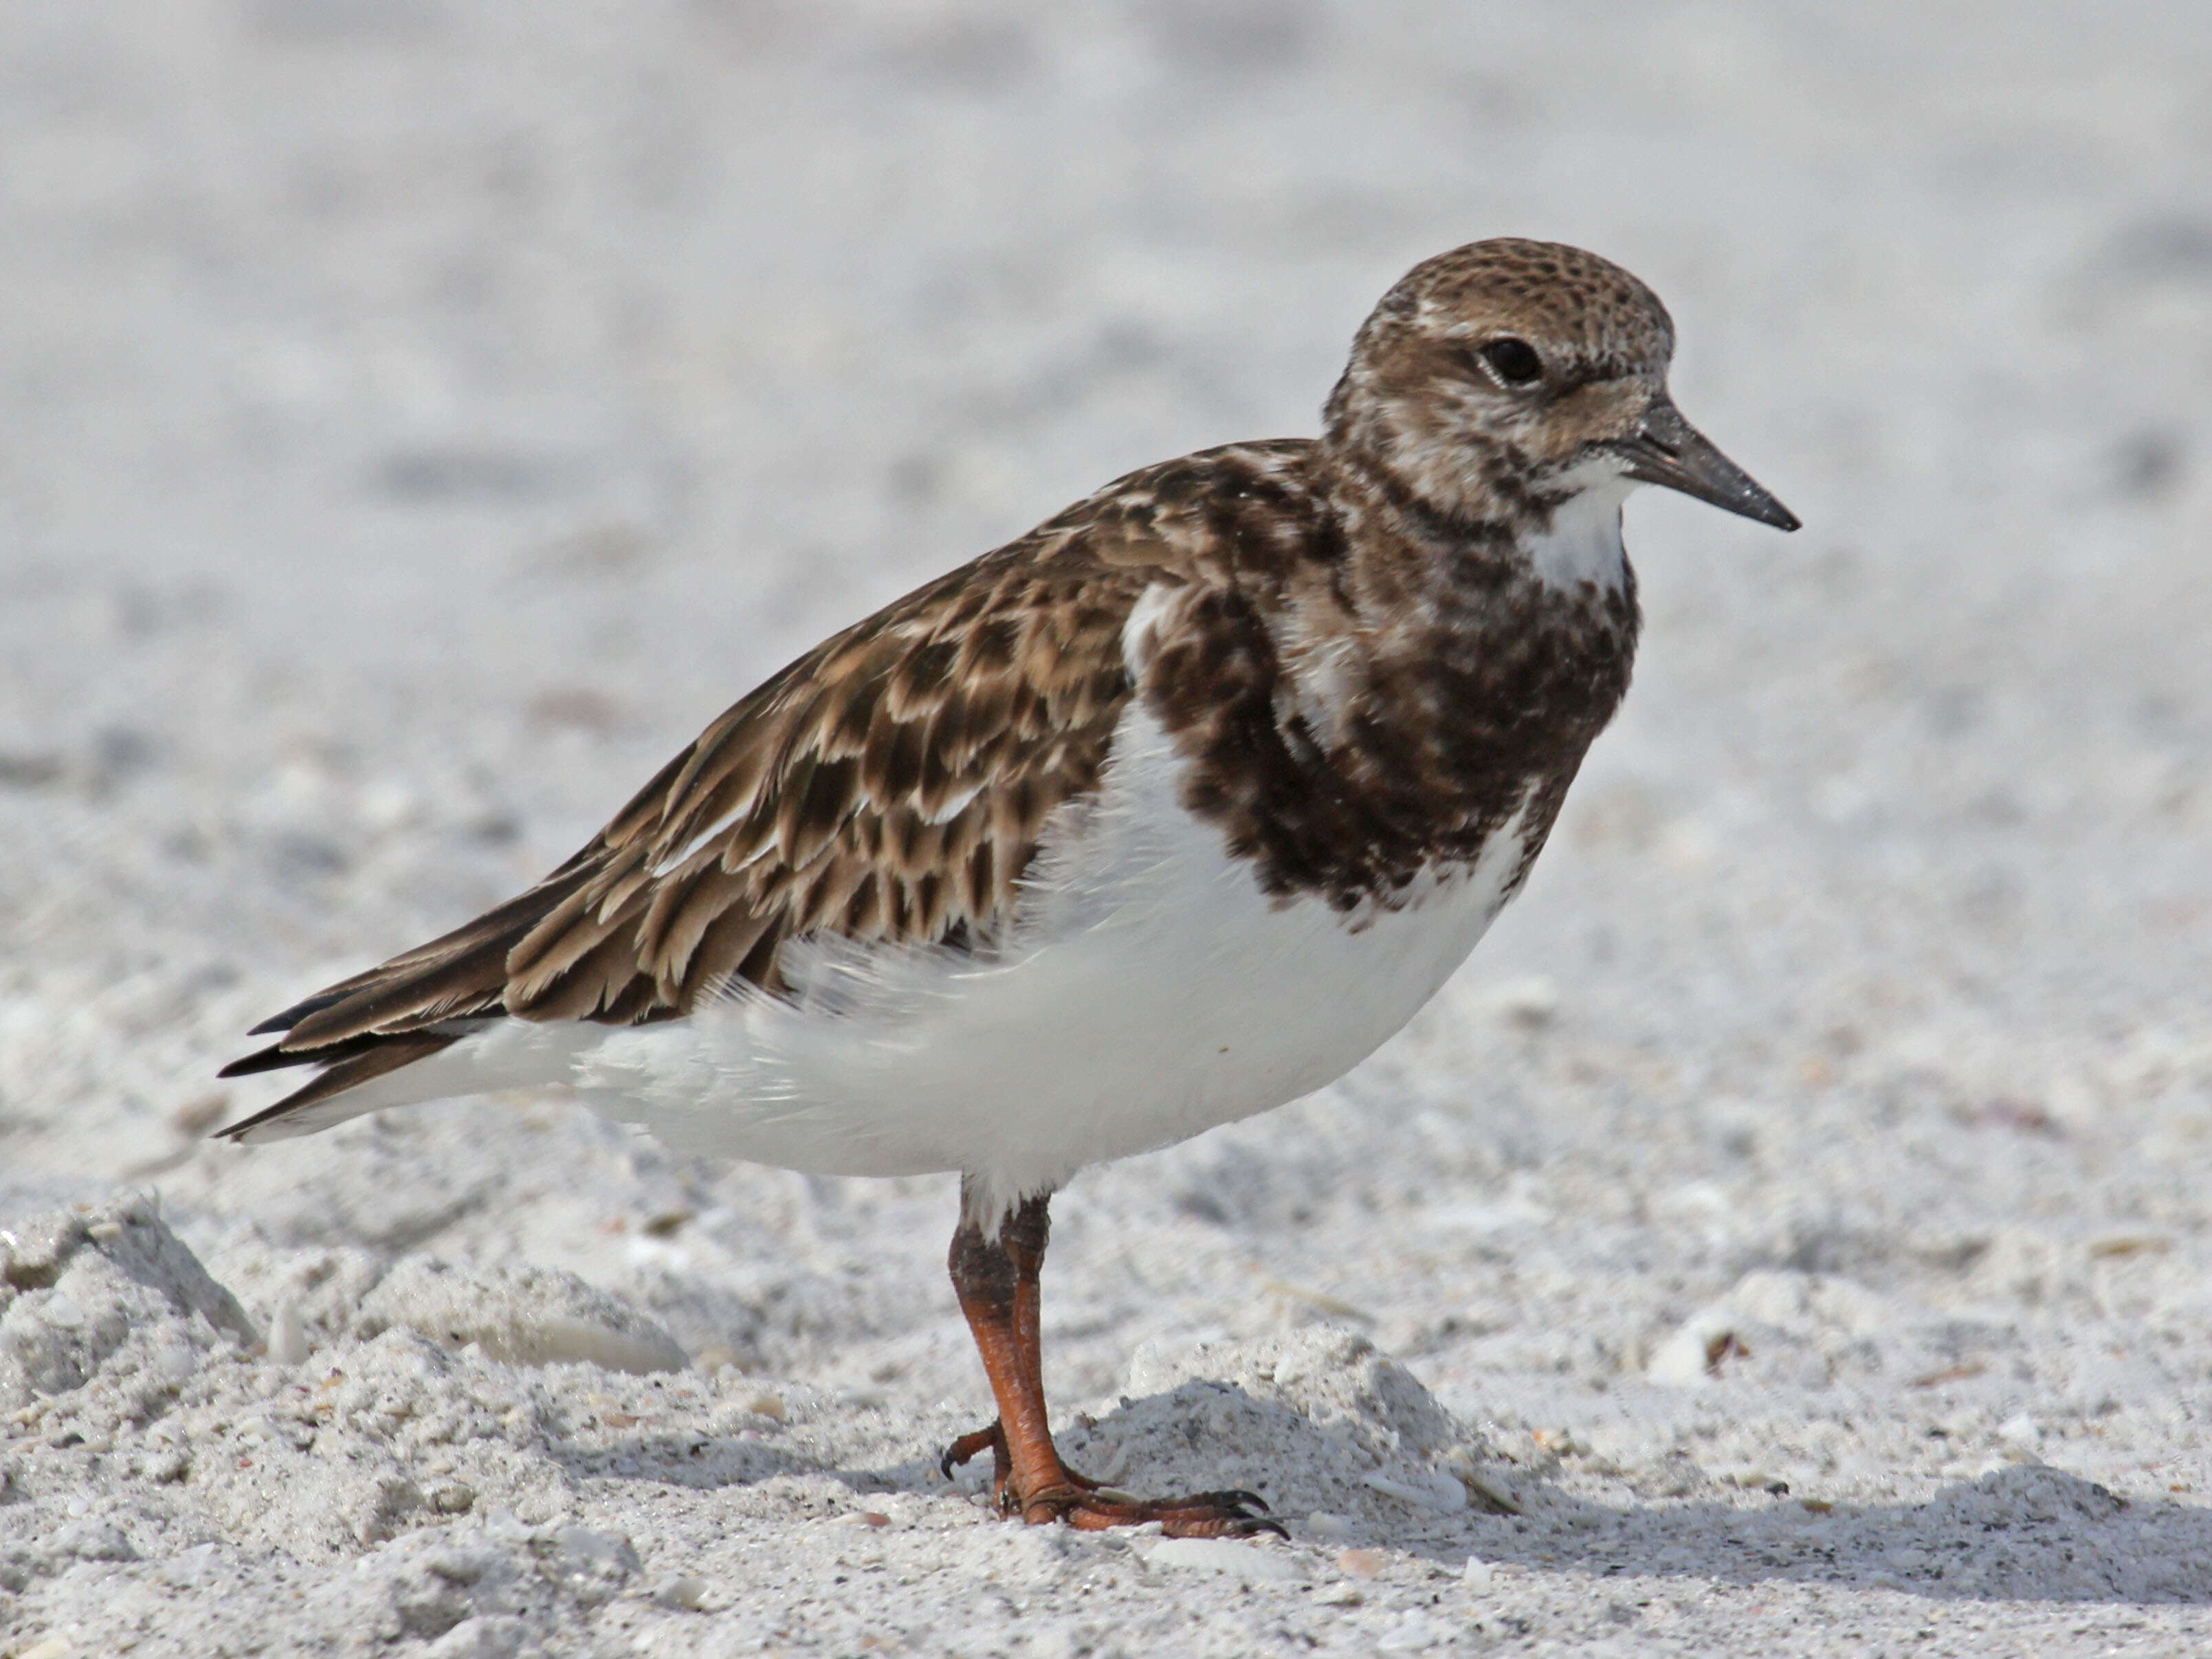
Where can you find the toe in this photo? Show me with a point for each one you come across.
(1222, 1526)
(1230, 1498)
(1206, 1515)
(992, 1440)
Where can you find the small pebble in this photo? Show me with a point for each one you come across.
(683, 1594)
(287, 1334)
(1528, 1001)
(1441, 1493)
(197, 1116)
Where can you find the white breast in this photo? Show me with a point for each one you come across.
(1583, 542)
(1150, 992)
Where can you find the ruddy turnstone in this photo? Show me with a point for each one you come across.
(1167, 813)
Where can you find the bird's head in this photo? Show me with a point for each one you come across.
(1503, 378)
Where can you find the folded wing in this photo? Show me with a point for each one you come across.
(891, 785)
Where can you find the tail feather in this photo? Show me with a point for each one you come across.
(290, 1116)
(296, 1013)
(472, 981)
(275, 1058)
(428, 969)
(403, 1011)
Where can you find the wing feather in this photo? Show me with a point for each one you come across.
(890, 785)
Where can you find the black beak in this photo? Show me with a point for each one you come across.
(1669, 451)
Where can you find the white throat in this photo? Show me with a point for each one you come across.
(1582, 544)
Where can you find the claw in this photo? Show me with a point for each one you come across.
(960, 1450)
(1233, 1495)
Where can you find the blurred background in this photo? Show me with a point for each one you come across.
(418, 417)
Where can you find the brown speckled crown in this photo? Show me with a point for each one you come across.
(1544, 288)
(1345, 638)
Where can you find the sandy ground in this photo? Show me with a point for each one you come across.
(418, 417)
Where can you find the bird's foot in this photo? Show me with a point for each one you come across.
(1084, 1504)
(1201, 1515)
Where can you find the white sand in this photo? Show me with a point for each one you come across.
(418, 417)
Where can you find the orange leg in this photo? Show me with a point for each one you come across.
(997, 1282)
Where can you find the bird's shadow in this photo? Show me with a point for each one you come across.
(2024, 1532)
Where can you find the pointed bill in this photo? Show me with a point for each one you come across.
(1671, 451)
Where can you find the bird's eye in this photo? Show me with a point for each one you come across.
(1513, 361)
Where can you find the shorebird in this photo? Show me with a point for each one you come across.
(1167, 813)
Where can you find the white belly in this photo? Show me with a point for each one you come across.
(1150, 992)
